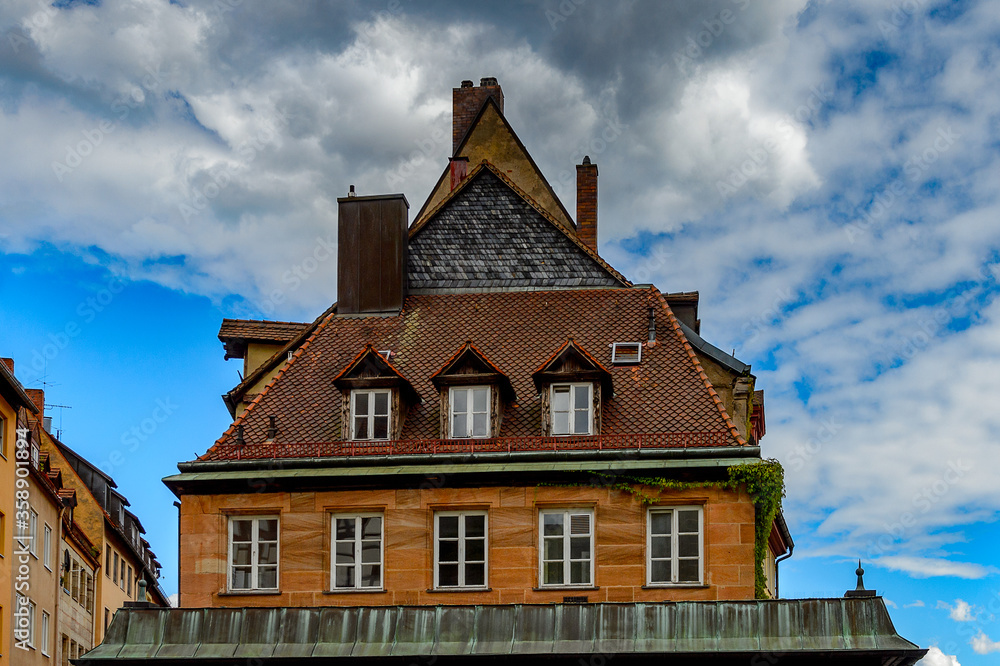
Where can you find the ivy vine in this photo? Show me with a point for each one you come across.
(764, 482)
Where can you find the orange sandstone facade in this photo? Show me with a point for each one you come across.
(513, 569)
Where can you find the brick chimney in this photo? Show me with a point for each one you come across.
(9, 362)
(38, 397)
(459, 170)
(586, 203)
(466, 103)
(371, 254)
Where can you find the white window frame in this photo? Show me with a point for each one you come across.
(47, 548)
(33, 533)
(46, 624)
(469, 413)
(626, 345)
(3, 437)
(674, 546)
(31, 622)
(358, 542)
(566, 536)
(254, 551)
(461, 550)
(573, 388)
(371, 415)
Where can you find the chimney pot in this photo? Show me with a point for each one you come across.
(351, 192)
(488, 82)
(586, 159)
(467, 84)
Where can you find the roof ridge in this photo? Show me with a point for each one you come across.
(520, 144)
(317, 327)
(266, 366)
(676, 328)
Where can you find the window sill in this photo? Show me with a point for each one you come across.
(561, 588)
(674, 586)
(358, 590)
(445, 590)
(249, 593)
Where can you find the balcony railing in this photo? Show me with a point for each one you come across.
(408, 447)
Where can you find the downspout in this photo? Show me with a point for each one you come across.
(785, 556)
(178, 505)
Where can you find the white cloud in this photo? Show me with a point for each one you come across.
(916, 604)
(935, 657)
(983, 644)
(961, 612)
(928, 567)
(174, 599)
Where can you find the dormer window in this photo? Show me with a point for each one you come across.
(473, 393)
(375, 398)
(571, 383)
(572, 409)
(470, 412)
(370, 414)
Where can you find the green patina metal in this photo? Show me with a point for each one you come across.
(801, 631)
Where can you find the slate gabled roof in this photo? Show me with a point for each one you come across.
(490, 236)
(668, 393)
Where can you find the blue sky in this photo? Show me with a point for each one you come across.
(823, 173)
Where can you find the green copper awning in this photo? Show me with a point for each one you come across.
(790, 631)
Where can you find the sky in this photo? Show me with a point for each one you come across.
(823, 173)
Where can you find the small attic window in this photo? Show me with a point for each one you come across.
(626, 353)
(386, 354)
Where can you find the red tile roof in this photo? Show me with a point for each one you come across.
(668, 392)
(260, 330)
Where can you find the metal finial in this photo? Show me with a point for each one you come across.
(860, 590)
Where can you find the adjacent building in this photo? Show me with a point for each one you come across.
(56, 603)
(492, 446)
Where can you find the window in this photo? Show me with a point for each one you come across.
(470, 412)
(674, 546)
(45, 633)
(370, 414)
(107, 619)
(357, 552)
(121, 578)
(129, 582)
(3, 533)
(47, 548)
(572, 409)
(24, 602)
(626, 353)
(107, 561)
(460, 549)
(567, 547)
(114, 575)
(3, 436)
(33, 533)
(253, 553)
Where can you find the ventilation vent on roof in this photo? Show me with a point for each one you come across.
(626, 353)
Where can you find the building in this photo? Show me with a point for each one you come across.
(56, 604)
(115, 534)
(13, 400)
(493, 445)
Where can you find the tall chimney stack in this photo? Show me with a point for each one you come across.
(466, 102)
(586, 203)
(371, 254)
(38, 397)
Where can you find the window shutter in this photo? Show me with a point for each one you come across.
(579, 523)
